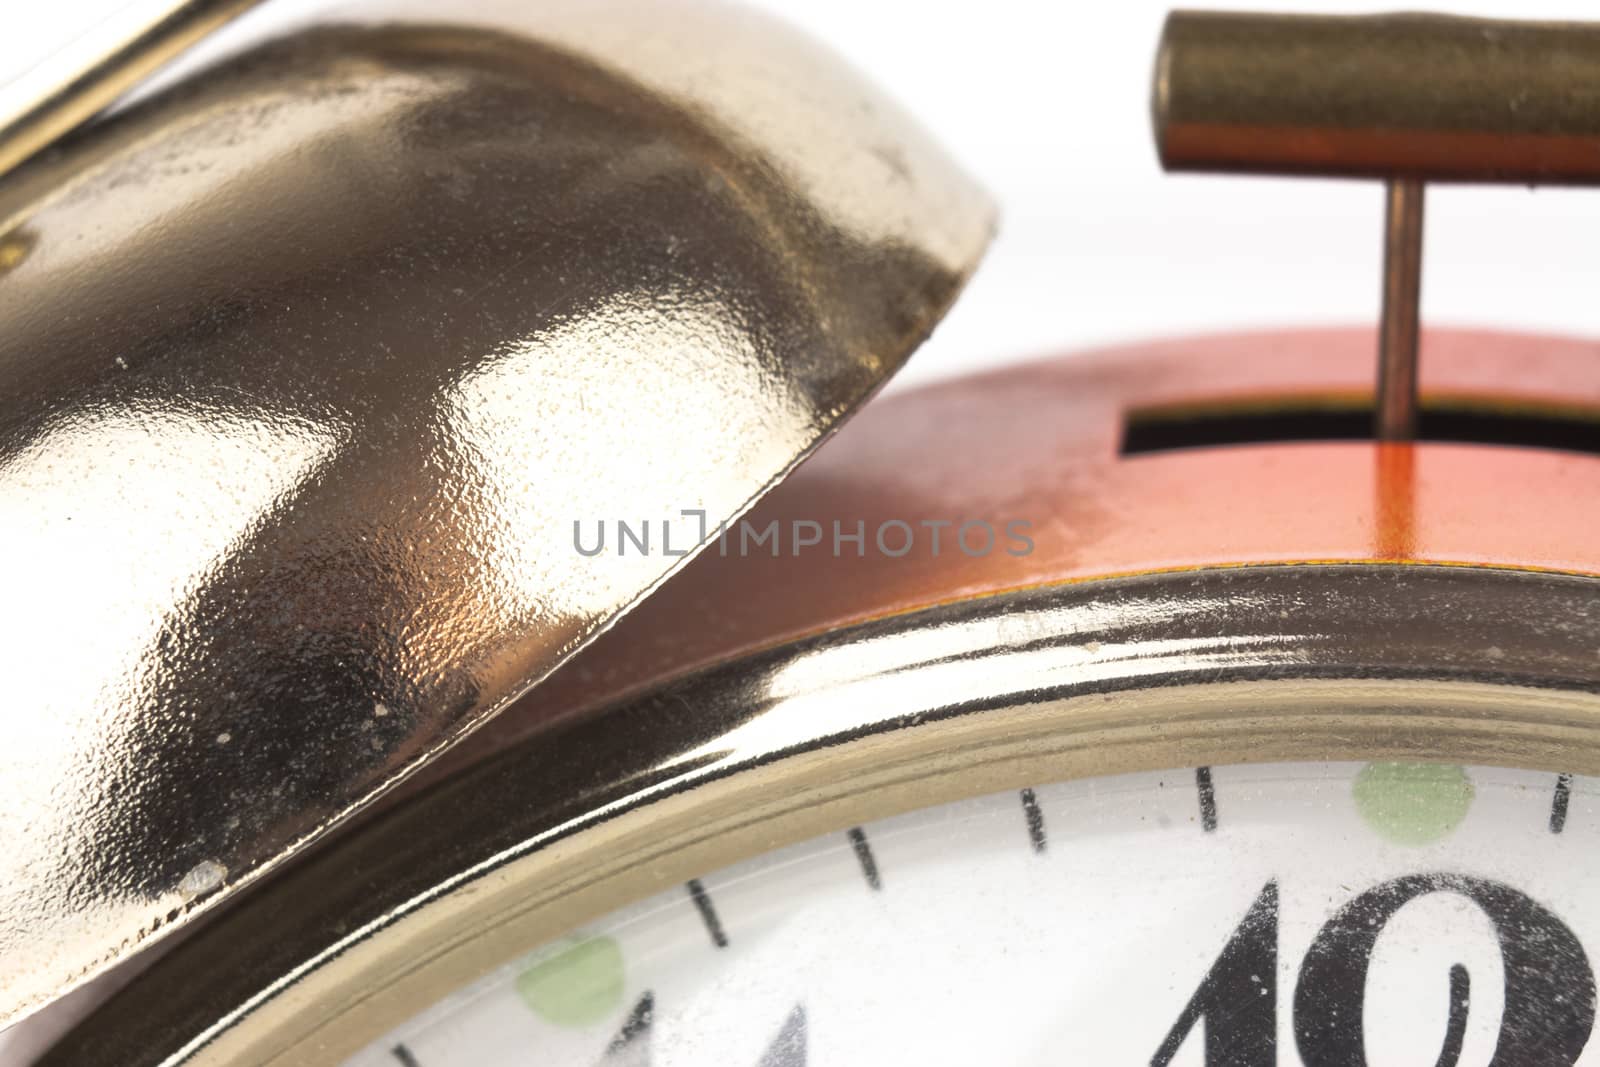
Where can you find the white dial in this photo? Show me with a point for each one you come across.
(1244, 916)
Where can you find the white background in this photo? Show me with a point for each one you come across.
(1048, 104)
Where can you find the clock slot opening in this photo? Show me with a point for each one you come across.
(1181, 429)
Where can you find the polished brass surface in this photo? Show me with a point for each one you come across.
(65, 91)
(1158, 671)
(1425, 96)
(1398, 325)
(314, 358)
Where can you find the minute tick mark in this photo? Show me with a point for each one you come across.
(1208, 799)
(1558, 803)
(708, 913)
(1035, 817)
(869, 865)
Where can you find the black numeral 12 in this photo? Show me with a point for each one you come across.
(1549, 985)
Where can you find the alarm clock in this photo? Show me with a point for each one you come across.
(468, 609)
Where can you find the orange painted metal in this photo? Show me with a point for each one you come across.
(1039, 442)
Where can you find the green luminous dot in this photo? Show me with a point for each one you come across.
(579, 986)
(1413, 803)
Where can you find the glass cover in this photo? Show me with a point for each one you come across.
(1330, 915)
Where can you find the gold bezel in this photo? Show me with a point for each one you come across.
(1320, 662)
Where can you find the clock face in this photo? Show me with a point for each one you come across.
(1323, 914)
(1318, 816)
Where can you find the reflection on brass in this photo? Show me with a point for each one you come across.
(1426, 96)
(1461, 664)
(320, 353)
(14, 248)
(60, 94)
(1398, 325)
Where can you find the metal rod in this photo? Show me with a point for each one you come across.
(93, 71)
(1430, 96)
(1402, 294)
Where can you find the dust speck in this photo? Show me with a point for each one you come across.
(206, 876)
